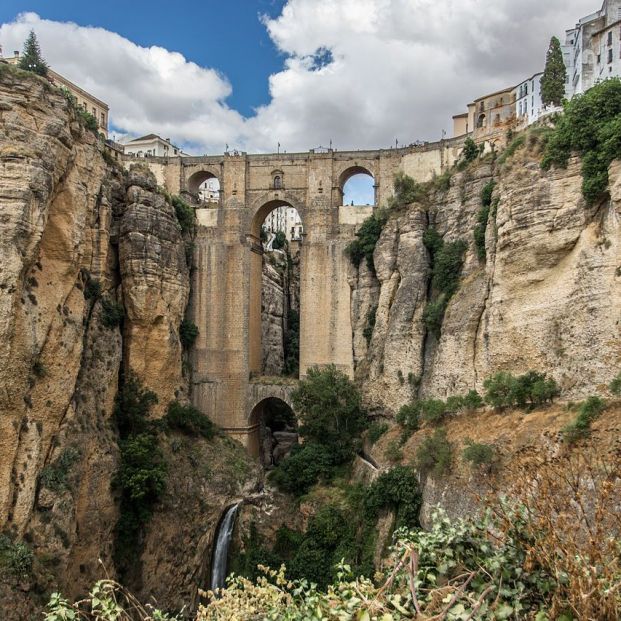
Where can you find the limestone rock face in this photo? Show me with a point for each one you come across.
(273, 311)
(155, 288)
(546, 298)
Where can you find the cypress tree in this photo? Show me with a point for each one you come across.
(31, 59)
(554, 75)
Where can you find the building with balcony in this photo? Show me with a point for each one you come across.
(151, 145)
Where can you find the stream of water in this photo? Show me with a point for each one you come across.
(221, 549)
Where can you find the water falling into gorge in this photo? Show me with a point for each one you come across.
(221, 548)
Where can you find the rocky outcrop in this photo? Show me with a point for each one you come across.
(273, 316)
(546, 298)
(155, 288)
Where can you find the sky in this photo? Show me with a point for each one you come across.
(254, 73)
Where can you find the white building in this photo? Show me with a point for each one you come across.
(592, 50)
(285, 219)
(528, 104)
(209, 190)
(152, 145)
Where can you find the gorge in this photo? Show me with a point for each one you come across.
(103, 262)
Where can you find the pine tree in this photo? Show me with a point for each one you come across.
(554, 75)
(31, 59)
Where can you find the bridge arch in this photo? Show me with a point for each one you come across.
(198, 178)
(352, 173)
(273, 429)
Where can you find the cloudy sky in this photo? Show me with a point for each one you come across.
(253, 73)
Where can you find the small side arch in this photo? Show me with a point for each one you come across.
(273, 430)
(197, 179)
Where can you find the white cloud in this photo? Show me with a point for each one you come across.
(399, 69)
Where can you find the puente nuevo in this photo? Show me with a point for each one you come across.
(226, 281)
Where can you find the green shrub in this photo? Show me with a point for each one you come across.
(435, 454)
(189, 420)
(184, 213)
(305, 465)
(368, 328)
(329, 408)
(472, 401)
(367, 237)
(292, 344)
(88, 120)
(590, 127)
(406, 190)
(482, 219)
(132, 406)
(112, 313)
(188, 333)
(408, 417)
(588, 411)
(92, 289)
(446, 261)
(280, 240)
(16, 558)
(531, 389)
(376, 430)
(470, 151)
(394, 454)
(479, 454)
(433, 410)
(54, 476)
(396, 489)
(615, 385)
(513, 146)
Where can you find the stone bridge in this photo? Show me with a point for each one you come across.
(226, 285)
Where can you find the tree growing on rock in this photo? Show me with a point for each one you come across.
(31, 59)
(554, 75)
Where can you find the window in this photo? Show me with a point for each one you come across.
(610, 37)
(103, 119)
(94, 113)
(277, 182)
(599, 59)
(610, 55)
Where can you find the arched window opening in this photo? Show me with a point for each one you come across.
(481, 121)
(359, 190)
(209, 190)
(275, 431)
(277, 182)
(275, 291)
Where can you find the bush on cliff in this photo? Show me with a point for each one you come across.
(532, 389)
(189, 420)
(367, 237)
(591, 128)
(184, 213)
(482, 219)
(188, 333)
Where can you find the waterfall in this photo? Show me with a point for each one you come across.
(221, 548)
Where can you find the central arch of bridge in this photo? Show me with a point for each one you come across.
(225, 302)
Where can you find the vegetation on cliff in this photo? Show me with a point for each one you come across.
(590, 128)
(554, 75)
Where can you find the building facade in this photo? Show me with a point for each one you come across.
(84, 99)
(152, 145)
(592, 49)
(287, 220)
(528, 104)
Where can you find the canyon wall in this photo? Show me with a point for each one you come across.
(545, 298)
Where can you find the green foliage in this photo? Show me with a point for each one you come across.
(394, 454)
(367, 237)
(87, 119)
(141, 477)
(446, 263)
(435, 454)
(590, 127)
(580, 428)
(513, 146)
(472, 400)
(112, 313)
(255, 552)
(328, 405)
(184, 213)
(376, 430)
(554, 75)
(189, 420)
(368, 328)
(479, 454)
(280, 240)
(470, 152)
(306, 465)
(482, 219)
(92, 289)
(16, 558)
(406, 191)
(395, 489)
(31, 59)
(615, 385)
(432, 410)
(188, 333)
(529, 390)
(292, 344)
(54, 476)
(408, 417)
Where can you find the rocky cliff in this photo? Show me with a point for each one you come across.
(546, 297)
(93, 285)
